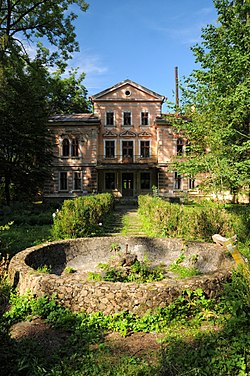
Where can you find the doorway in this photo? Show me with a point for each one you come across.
(127, 184)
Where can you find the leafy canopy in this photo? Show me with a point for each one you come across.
(216, 98)
(50, 20)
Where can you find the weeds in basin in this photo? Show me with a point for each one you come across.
(69, 270)
(140, 272)
(44, 269)
(93, 276)
(184, 271)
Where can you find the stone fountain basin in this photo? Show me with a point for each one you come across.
(74, 291)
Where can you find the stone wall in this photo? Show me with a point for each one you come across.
(75, 292)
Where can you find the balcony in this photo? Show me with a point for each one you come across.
(127, 159)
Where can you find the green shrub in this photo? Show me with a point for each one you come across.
(80, 217)
(193, 222)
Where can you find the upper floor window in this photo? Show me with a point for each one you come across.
(127, 118)
(70, 147)
(144, 118)
(145, 149)
(75, 147)
(110, 119)
(65, 147)
(109, 149)
(191, 183)
(180, 146)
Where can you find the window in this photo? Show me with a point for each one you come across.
(65, 147)
(180, 146)
(177, 181)
(63, 181)
(144, 118)
(110, 118)
(191, 183)
(109, 149)
(127, 118)
(75, 148)
(127, 150)
(110, 180)
(77, 181)
(145, 180)
(145, 149)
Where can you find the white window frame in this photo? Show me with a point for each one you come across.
(140, 148)
(108, 125)
(104, 148)
(70, 147)
(143, 125)
(123, 140)
(131, 119)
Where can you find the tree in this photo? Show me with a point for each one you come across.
(68, 95)
(24, 141)
(216, 98)
(52, 20)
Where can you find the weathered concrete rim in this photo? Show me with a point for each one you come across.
(74, 292)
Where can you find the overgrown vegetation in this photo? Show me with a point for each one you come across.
(195, 221)
(139, 272)
(200, 336)
(81, 217)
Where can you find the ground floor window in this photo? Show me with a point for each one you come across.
(77, 181)
(177, 181)
(109, 180)
(191, 183)
(145, 180)
(63, 181)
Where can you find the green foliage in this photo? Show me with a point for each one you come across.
(80, 217)
(68, 95)
(139, 272)
(183, 271)
(187, 346)
(69, 270)
(192, 222)
(36, 20)
(25, 148)
(44, 269)
(216, 98)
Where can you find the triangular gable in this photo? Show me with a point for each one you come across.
(127, 134)
(109, 134)
(145, 134)
(126, 84)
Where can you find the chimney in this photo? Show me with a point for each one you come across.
(176, 88)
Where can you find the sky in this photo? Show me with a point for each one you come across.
(140, 40)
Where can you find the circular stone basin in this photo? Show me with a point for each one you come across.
(75, 291)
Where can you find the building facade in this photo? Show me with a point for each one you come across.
(125, 146)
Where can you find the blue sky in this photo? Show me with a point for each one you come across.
(140, 40)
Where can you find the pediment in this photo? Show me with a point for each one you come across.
(128, 90)
(109, 134)
(145, 134)
(128, 134)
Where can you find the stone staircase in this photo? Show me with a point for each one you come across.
(124, 221)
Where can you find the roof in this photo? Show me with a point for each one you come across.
(131, 83)
(89, 118)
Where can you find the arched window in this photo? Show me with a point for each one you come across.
(65, 147)
(75, 147)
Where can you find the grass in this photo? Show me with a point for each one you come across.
(198, 335)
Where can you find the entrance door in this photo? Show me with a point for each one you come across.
(127, 184)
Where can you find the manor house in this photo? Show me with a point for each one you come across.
(125, 146)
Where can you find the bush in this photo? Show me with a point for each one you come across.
(80, 217)
(190, 222)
